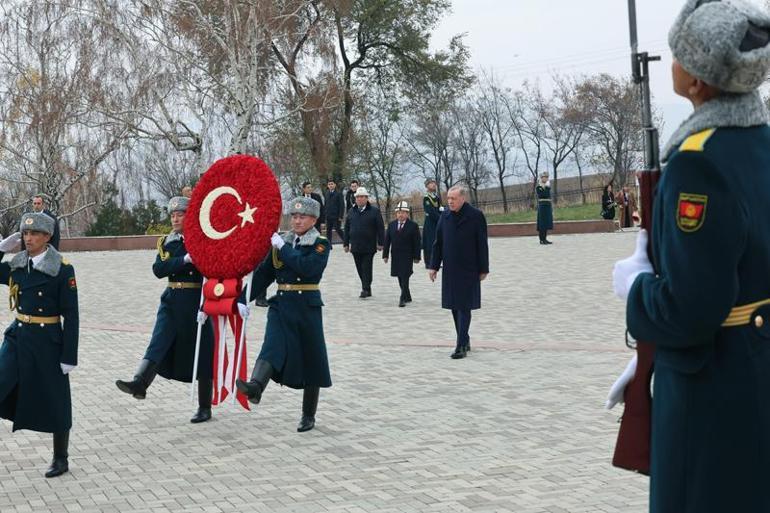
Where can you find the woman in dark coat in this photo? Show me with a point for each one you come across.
(608, 202)
(403, 235)
(544, 208)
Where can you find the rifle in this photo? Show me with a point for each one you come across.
(632, 450)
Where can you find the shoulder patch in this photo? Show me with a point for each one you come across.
(691, 211)
(697, 142)
(73, 284)
(320, 248)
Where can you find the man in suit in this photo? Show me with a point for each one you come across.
(172, 346)
(334, 204)
(307, 191)
(38, 205)
(350, 196)
(461, 246)
(364, 233)
(431, 205)
(403, 235)
(706, 304)
(40, 347)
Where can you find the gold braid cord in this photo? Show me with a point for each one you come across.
(164, 255)
(432, 200)
(277, 263)
(13, 294)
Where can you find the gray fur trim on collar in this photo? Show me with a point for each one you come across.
(50, 264)
(727, 110)
(308, 239)
(172, 237)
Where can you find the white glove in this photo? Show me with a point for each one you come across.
(9, 243)
(243, 310)
(440, 209)
(626, 271)
(277, 241)
(187, 258)
(202, 317)
(616, 392)
(66, 368)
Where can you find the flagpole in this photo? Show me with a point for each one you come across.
(243, 336)
(197, 347)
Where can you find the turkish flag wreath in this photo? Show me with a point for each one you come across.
(234, 210)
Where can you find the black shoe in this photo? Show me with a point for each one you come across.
(459, 353)
(368, 293)
(306, 424)
(58, 467)
(260, 376)
(362, 295)
(202, 415)
(409, 299)
(143, 378)
(401, 303)
(547, 242)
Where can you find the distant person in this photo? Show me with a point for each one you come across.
(544, 208)
(187, 191)
(38, 205)
(461, 247)
(403, 237)
(431, 205)
(364, 233)
(608, 202)
(350, 196)
(335, 210)
(627, 203)
(307, 191)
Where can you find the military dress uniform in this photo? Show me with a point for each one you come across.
(431, 205)
(707, 309)
(40, 344)
(171, 351)
(544, 210)
(294, 349)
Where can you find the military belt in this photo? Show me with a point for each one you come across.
(741, 315)
(544, 200)
(33, 319)
(184, 285)
(300, 287)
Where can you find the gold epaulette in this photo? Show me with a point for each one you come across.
(163, 254)
(64, 261)
(697, 142)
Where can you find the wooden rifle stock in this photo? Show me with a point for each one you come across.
(632, 450)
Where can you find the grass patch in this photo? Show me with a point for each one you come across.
(588, 212)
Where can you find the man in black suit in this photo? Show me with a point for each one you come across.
(307, 191)
(364, 231)
(403, 235)
(350, 196)
(335, 210)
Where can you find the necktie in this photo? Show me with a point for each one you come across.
(29, 266)
(400, 225)
(296, 241)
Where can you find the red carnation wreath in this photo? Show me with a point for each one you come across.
(234, 210)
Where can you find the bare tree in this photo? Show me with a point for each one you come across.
(494, 106)
(528, 118)
(470, 141)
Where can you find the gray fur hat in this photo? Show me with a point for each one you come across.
(306, 206)
(723, 42)
(37, 222)
(178, 204)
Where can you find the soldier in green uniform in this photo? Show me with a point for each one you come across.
(707, 309)
(294, 350)
(172, 347)
(40, 347)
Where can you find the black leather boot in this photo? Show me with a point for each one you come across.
(260, 376)
(142, 380)
(204, 402)
(309, 407)
(59, 465)
(460, 352)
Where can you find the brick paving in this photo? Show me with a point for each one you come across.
(518, 426)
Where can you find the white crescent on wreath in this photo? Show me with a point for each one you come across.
(204, 216)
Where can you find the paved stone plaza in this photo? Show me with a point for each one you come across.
(518, 426)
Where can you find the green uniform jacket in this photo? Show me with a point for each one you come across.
(711, 408)
(40, 400)
(294, 337)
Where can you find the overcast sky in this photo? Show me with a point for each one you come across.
(533, 39)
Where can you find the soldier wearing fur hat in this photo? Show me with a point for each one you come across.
(172, 347)
(544, 208)
(707, 306)
(403, 238)
(294, 350)
(40, 347)
(431, 205)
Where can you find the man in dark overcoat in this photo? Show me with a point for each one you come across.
(706, 305)
(294, 350)
(334, 210)
(403, 236)
(364, 234)
(171, 352)
(431, 206)
(461, 246)
(40, 347)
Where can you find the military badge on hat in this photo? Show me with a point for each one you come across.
(305, 206)
(37, 222)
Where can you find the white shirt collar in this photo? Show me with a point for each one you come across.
(36, 259)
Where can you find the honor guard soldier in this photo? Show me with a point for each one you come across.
(707, 305)
(294, 351)
(402, 243)
(544, 208)
(172, 347)
(431, 205)
(40, 347)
